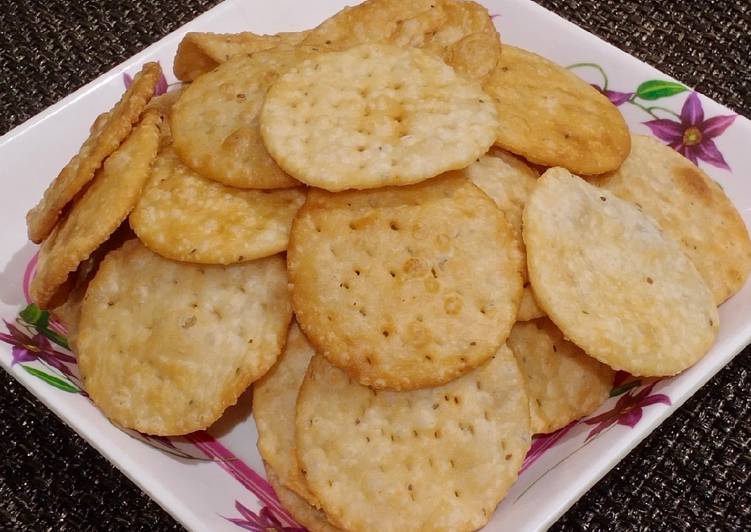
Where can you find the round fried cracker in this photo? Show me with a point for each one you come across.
(274, 399)
(308, 516)
(165, 347)
(690, 208)
(434, 459)
(183, 216)
(215, 122)
(509, 181)
(405, 287)
(108, 132)
(612, 282)
(95, 216)
(551, 117)
(528, 308)
(374, 115)
(563, 383)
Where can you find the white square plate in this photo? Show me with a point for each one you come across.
(214, 481)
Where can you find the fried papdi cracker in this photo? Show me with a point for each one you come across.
(690, 207)
(215, 121)
(551, 117)
(460, 32)
(274, 399)
(563, 383)
(199, 52)
(107, 133)
(165, 347)
(528, 308)
(374, 115)
(183, 216)
(100, 210)
(508, 180)
(434, 459)
(405, 287)
(308, 516)
(612, 282)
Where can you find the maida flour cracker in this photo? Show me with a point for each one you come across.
(563, 382)
(608, 277)
(106, 135)
(690, 207)
(183, 216)
(432, 459)
(165, 347)
(508, 180)
(375, 115)
(405, 287)
(101, 209)
(308, 516)
(215, 122)
(274, 399)
(551, 117)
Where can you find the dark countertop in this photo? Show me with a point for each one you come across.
(692, 473)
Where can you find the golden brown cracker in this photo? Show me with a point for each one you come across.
(405, 287)
(106, 135)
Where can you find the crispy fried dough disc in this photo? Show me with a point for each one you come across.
(106, 135)
(612, 282)
(274, 399)
(305, 514)
(183, 216)
(199, 53)
(690, 207)
(434, 459)
(165, 347)
(460, 32)
(563, 383)
(405, 287)
(372, 116)
(95, 216)
(509, 181)
(551, 117)
(215, 121)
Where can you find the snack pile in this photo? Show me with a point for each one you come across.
(419, 246)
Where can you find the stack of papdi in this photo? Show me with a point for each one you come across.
(353, 218)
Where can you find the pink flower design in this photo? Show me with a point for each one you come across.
(263, 521)
(692, 135)
(627, 411)
(161, 86)
(616, 98)
(27, 349)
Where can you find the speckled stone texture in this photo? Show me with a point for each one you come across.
(692, 473)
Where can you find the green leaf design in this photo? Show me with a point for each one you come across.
(51, 380)
(657, 88)
(35, 316)
(624, 388)
(52, 335)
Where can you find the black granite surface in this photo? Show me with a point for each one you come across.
(693, 473)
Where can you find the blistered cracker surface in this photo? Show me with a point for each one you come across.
(109, 131)
(690, 208)
(563, 382)
(183, 216)
(612, 281)
(312, 519)
(405, 287)
(215, 123)
(104, 205)
(274, 399)
(433, 459)
(509, 181)
(165, 347)
(551, 117)
(201, 52)
(374, 115)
